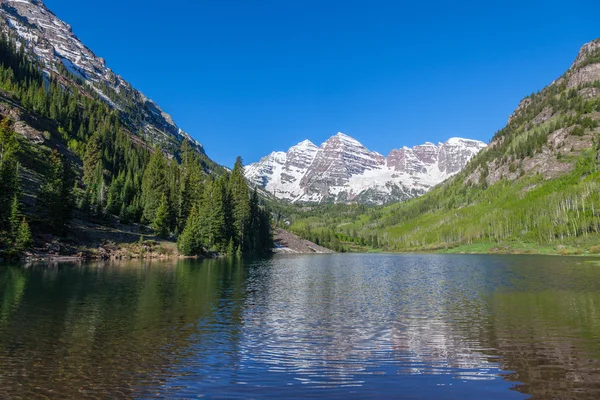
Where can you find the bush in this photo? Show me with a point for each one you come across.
(578, 131)
(595, 249)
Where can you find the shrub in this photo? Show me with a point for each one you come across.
(595, 249)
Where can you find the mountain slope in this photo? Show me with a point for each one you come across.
(61, 53)
(536, 184)
(342, 169)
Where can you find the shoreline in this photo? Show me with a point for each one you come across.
(285, 243)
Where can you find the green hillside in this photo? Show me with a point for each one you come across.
(536, 188)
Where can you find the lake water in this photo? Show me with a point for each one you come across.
(320, 326)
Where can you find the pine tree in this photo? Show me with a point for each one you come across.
(254, 226)
(240, 205)
(212, 215)
(9, 172)
(54, 202)
(230, 248)
(23, 239)
(113, 203)
(15, 217)
(190, 240)
(190, 181)
(154, 184)
(120, 175)
(93, 173)
(161, 220)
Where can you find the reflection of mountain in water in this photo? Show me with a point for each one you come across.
(413, 318)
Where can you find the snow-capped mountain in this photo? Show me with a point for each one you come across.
(342, 169)
(55, 45)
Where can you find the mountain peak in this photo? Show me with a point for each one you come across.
(345, 139)
(305, 143)
(587, 51)
(461, 141)
(343, 136)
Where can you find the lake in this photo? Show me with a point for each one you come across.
(320, 326)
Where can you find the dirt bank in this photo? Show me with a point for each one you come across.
(288, 243)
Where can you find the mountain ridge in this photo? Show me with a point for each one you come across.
(341, 169)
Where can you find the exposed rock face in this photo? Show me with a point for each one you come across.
(587, 74)
(553, 157)
(526, 102)
(587, 50)
(582, 71)
(339, 158)
(342, 169)
(53, 43)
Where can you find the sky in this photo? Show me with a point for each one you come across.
(247, 77)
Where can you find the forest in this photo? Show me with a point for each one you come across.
(90, 163)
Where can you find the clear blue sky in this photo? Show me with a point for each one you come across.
(247, 77)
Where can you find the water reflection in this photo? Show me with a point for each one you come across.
(368, 326)
(103, 331)
(327, 321)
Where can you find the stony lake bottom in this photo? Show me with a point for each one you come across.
(320, 326)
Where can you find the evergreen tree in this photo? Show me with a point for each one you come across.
(154, 184)
(113, 204)
(212, 215)
(189, 242)
(240, 205)
(23, 239)
(15, 217)
(9, 172)
(230, 248)
(54, 202)
(161, 220)
(93, 174)
(191, 181)
(253, 231)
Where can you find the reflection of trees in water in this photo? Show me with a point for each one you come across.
(551, 339)
(12, 286)
(540, 318)
(104, 330)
